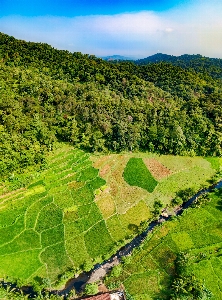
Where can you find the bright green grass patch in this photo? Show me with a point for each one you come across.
(71, 230)
(70, 216)
(67, 179)
(33, 210)
(81, 163)
(76, 250)
(27, 240)
(10, 232)
(49, 216)
(52, 236)
(96, 183)
(11, 210)
(163, 256)
(146, 282)
(87, 174)
(35, 184)
(217, 267)
(20, 265)
(89, 215)
(83, 195)
(204, 237)
(183, 240)
(134, 216)
(7, 219)
(98, 240)
(38, 189)
(204, 270)
(63, 199)
(137, 174)
(56, 260)
(115, 228)
(215, 162)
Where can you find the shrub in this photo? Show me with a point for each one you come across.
(91, 289)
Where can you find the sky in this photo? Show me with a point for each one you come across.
(133, 28)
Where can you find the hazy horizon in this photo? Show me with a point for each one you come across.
(128, 28)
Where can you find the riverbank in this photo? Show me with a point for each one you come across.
(101, 270)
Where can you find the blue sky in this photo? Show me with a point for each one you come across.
(72, 8)
(132, 28)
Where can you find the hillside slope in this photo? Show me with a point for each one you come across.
(49, 95)
(199, 63)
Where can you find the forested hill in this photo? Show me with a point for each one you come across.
(199, 63)
(49, 95)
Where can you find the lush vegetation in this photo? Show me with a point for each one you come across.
(199, 63)
(46, 227)
(62, 210)
(136, 173)
(179, 260)
(78, 211)
(47, 95)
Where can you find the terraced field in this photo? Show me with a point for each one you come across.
(81, 209)
(149, 272)
(48, 227)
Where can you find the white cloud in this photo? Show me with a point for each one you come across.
(194, 28)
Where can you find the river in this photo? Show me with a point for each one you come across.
(100, 270)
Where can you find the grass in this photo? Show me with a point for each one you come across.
(98, 244)
(76, 249)
(215, 162)
(115, 228)
(27, 240)
(10, 232)
(49, 236)
(18, 265)
(45, 219)
(197, 232)
(137, 174)
(134, 216)
(39, 225)
(77, 210)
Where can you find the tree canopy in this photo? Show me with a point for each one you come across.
(49, 95)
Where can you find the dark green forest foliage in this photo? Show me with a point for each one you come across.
(199, 63)
(49, 95)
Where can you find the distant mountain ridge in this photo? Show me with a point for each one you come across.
(117, 57)
(199, 63)
(158, 57)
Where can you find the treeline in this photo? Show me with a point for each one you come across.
(199, 63)
(49, 95)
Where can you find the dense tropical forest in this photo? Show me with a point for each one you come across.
(91, 152)
(49, 95)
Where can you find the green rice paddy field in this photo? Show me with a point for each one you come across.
(80, 210)
(149, 272)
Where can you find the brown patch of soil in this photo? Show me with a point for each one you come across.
(105, 170)
(99, 162)
(102, 288)
(156, 168)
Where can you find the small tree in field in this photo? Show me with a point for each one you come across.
(91, 289)
(157, 207)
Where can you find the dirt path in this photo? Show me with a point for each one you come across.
(101, 272)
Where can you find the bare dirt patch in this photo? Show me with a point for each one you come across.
(105, 170)
(98, 162)
(158, 170)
